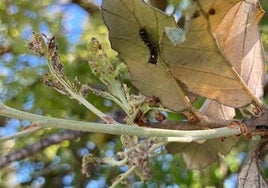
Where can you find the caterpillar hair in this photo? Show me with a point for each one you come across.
(151, 46)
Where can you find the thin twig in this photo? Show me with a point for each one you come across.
(36, 147)
(113, 162)
(21, 133)
(123, 176)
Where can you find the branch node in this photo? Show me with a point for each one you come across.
(243, 128)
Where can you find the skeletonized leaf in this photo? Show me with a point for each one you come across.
(125, 19)
(198, 62)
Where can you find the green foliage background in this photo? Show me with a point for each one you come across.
(21, 87)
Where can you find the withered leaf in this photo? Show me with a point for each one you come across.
(200, 64)
(125, 19)
(239, 37)
(220, 57)
(237, 33)
(200, 155)
(250, 175)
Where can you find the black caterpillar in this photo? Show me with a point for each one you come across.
(153, 49)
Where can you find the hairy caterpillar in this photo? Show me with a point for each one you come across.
(151, 46)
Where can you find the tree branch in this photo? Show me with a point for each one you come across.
(88, 6)
(21, 133)
(34, 148)
(4, 49)
(123, 176)
(120, 129)
(258, 124)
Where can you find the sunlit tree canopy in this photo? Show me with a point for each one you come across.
(52, 157)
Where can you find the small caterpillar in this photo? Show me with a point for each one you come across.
(153, 49)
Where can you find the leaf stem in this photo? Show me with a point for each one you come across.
(113, 162)
(123, 176)
(81, 99)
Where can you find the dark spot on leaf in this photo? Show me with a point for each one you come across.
(212, 11)
(196, 14)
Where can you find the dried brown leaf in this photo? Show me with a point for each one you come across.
(125, 19)
(216, 111)
(200, 64)
(200, 155)
(237, 33)
(239, 37)
(250, 175)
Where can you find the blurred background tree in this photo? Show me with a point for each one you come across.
(74, 23)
